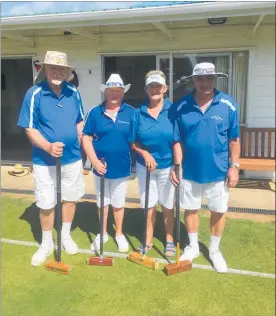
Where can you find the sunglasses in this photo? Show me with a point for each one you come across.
(200, 71)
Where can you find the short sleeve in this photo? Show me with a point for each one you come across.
(80, 117)
(176, 130)
(28, 116)
(89, 126)
(133, 127)
(234, 126)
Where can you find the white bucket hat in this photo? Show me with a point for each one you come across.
(115, 81)
(205, 69)
(53, 58)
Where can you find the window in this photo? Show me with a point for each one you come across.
(234, 64)
(3, 82)
(183, 66)
(132, 69)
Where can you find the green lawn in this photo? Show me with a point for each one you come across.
(128, 289)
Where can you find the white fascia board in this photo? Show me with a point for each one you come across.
(141, 15)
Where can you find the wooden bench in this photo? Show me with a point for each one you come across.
(257, 149)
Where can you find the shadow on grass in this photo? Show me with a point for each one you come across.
(31, 216)
(86, 219)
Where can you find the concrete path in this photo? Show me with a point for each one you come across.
(258, 194)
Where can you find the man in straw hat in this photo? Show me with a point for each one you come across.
(52, 115)
(106, 132)
(207, 129)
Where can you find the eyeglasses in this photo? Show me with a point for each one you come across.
(200, 71)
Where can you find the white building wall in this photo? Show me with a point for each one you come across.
(85, 54)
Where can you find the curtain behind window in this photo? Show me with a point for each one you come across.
(239, 81)
(222, 65)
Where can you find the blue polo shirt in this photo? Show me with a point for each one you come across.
(154, 135)
(205, 136)
(56, 118)
(110, 138)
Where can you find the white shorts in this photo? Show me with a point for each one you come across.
(72, 184)
(115, 191)
(161, 188)
(216, 194)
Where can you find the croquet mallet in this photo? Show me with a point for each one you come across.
(101, 261)
(135, 256)
(179, 266)
(58, 266)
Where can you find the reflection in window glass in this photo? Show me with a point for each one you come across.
(164, 65)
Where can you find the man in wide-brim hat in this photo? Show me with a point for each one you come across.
(54, 61)
(52, 115)
(207, 130)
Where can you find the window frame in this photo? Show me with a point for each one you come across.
(221, 50)
(213, 53)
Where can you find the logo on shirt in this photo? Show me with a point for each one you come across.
(218, 118)
(123, 122)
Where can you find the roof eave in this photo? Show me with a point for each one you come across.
(140, 15)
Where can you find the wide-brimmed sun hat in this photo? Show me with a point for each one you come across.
(115, 81)
(19, 171)
(205, 69)
(53, 58)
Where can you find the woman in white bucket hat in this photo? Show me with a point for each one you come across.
(52, 115)
(105, 132)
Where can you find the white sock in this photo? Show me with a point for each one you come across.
(193, 237)
(47, 237)
(66, 229)
(214, 243)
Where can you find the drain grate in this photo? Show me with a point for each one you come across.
(246, 210)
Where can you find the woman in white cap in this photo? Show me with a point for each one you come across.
(151, 138)
(52, 115)
(105, 136)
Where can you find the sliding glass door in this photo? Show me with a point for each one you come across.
(177, 66)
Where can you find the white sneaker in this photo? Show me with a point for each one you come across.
(218, 261)
(190, 253)
(122, 243)
(69, 245)
(96, 242)
(41, 254)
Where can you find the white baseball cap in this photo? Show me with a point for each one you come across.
(156, 78)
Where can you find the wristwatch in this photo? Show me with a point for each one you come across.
(234, 165)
